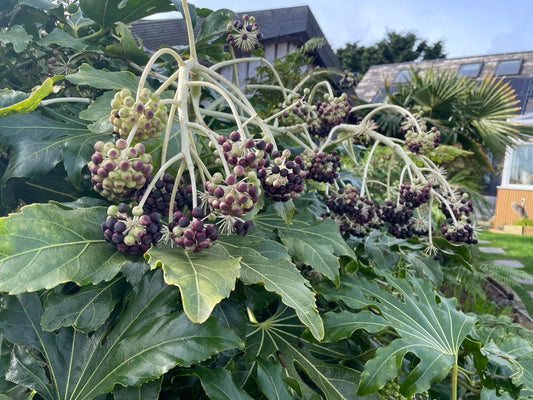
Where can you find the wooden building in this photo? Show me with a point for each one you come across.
(283, 29)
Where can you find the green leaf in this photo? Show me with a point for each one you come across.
(430, 330)
(219, 385)
(39, 143)
(9, 97)
(16, 36)
(31, 103)
(203, 278)
(280, 276)
(100, 79)
(270, 380)
(61, 38)
(127, 48)
(86, 310)
(488, 394)
(43, 5)
(111, 11)
(148, 391)
(27, 369)
(99, 108)
(279, 338)
(147, 339)
(45, 245)
(285, 210)
(215, 23)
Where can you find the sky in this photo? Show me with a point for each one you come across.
(467, 28)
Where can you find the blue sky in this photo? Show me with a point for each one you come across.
(468, 28)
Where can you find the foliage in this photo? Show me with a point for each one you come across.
(239, 242)
(394, 48)
(523, 222)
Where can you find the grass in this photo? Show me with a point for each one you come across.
(516, 247)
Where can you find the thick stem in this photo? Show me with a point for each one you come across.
(65, 100)
(454, 381)
(190, 31)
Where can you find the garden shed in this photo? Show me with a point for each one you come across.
(514, 198)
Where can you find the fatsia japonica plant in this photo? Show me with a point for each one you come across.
(173, 241)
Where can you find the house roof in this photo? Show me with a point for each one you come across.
(373, 81)
(296, 24)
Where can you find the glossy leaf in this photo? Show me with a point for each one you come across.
(127, 47)
(39, 143)
(430, 330)
(45, 245)
(88, 75)
(31, 102)
(219, 385)
(277, 275)
(17, 36)
(148, 391)
(44, 5)
(270, 380)
(111, 11)
(147, 339)
(86, 310)
(279, 338)
(203, 278)
(61, 38)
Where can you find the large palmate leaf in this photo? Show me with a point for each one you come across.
(61, 38)
(97, 78)
(203, 278)
(279, 338)
(17, 36)
(266, 262)
(86, 310)
(148, 391)
(432, 331)
(147, 339)
(30, 103)
(38, 143)
(45, 245)
(312, 242)
(219, 385)
(110, 11)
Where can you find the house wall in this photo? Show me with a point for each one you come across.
(504, 213)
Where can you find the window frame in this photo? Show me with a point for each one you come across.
(519, 60)
(403, 76)
(507, 164)
(478, 70)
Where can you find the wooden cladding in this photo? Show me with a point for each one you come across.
(504, 213)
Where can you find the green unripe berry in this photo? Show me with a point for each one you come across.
(112, 210)
(125, 93)
(129, 101)
(137, 211)
(129, 240)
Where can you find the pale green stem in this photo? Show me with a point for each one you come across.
(316, 87)
(131, 135)
(226, 96)
(44, 103)
(367, 166)
(175, 190)
(315, 73)
(190, 31)
(151, 62)
(454, 381)
(168, 128)
(254, 59)
(212, 136)
(297, 140)
(158, 175)
(157, 75)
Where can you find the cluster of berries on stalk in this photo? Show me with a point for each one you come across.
(322, 166)
(160, 197)
(355, 214)
(146, 114)
(282, 179)
(244, 35)
(458, 228)
(118, 170)
(293, 111)
(192, 234)
(327, 114)
(423, 141)
(130, 230)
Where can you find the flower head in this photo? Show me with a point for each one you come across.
(244, 35)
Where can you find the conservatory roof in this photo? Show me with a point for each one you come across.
(522, 120)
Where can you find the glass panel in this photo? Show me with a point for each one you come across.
(522, 165)
(471, 69)
(403, 76)
(508, 67)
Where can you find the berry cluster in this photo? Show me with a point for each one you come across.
(243, 155)
(131, 231)
(391, 391)
(146, 113)
(462, 230)
(353, 213)
(398, 218)
(422, 142)
(193, 235)
(330, 112)
(117, 170)
(413, 196)
(282, 178)
(159, 198)
(298, 114)
(321, 166)
(244, 35)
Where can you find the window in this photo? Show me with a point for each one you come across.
(403, 76)
(508, 67)
(521, 172)
(470, 69)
